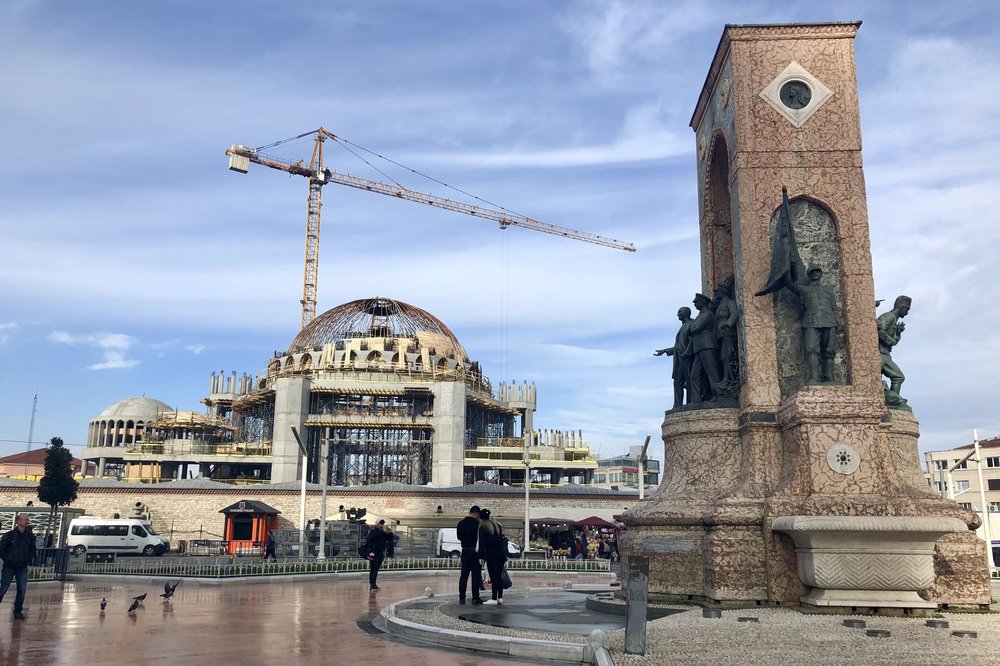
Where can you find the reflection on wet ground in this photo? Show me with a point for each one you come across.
(552, 611)
(290, 622)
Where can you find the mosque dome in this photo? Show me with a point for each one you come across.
(138, 408)
(376, 318)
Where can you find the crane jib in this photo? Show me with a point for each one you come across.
(241, 156)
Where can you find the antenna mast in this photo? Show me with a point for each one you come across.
(31, 428)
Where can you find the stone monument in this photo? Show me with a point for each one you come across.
(810, 490)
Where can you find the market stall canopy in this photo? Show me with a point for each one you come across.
(565, 523)
(594, 521)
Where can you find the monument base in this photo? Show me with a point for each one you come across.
(709, 530)
(850, 600)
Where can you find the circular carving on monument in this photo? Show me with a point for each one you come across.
(843, 459)
(795, 94)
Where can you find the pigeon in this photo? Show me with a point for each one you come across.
(168, 590)
(104, 603)
(139, 599)
(135, 604)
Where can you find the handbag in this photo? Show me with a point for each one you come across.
(507, 582)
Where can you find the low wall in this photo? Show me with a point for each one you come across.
(185, 513)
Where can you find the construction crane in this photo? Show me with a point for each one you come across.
(241, 156)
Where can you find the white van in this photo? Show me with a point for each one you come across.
(448, 544)
(114, 535)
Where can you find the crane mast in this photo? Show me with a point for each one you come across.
(241, 156)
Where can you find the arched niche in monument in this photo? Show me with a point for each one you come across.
(717, 223)
(818, 244)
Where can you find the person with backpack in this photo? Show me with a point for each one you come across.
(492, 552)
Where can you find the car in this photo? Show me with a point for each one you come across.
(114, 535)
(448, 544)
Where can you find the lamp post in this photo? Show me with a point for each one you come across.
(642, 469)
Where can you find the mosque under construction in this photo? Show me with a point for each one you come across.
(381, 389)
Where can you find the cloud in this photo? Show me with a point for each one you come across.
(114, 360)
(114, 347)
(196, 349)
(9, 326)
(615, 35)
(644, 136)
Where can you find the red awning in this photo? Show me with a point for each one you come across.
(594, 521)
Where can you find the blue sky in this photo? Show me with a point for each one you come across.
(133, 262)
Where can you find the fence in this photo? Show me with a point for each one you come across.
(49, 564)
(212, 568)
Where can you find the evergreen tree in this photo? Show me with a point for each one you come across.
(58, 487)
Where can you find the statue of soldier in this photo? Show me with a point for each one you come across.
(681, 352)
(890, 330)
(820, 323)
(820, 319)
(727, 315)
(705, 350)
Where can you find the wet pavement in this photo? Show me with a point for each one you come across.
(301, 622)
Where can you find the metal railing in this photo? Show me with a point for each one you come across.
(213, 568)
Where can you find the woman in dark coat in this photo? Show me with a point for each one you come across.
(492, 551)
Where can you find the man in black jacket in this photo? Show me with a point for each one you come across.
(17, 549)
(468, 535)
(380, 544)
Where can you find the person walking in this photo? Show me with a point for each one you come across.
(468, 535)
(493, 553)
(376, 553)
(270, 547)
(17, 549)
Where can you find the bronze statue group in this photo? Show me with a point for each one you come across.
(706, 367)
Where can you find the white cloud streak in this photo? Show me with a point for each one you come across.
(113, 346)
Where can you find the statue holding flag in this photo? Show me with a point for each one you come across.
(820, 317)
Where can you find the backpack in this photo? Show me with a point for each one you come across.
(364, 549)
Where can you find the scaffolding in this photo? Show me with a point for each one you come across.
(367, 456)
(253, 418)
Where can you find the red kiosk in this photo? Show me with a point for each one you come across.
(247, 525)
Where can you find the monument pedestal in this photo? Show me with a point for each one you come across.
(751, 508)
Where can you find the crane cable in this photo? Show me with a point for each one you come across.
(340, 139)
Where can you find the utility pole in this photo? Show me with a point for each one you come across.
(527, 492)
(986, 507)
(302, 497)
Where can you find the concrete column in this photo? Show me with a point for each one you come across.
(100, 466)
(449, 434)
(291, 406)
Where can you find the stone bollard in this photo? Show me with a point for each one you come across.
(636, 603)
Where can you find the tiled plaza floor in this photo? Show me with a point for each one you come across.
(254, 623)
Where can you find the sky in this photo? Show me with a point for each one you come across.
(134, 262)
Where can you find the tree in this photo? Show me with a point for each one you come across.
(58, 487)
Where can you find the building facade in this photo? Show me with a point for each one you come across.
(955, 474)
(372, 391)
(623, 470)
